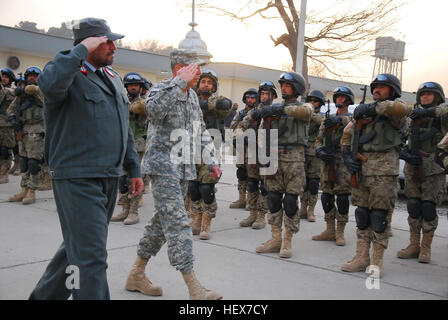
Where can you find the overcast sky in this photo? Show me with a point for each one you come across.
(422, 28)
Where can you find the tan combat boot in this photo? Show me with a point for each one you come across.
(147, 188)
(132, 217)
(303, 206)
(272, 245)
(260, 222)
(19, 196)
(137, 280)
(249, 220)
(205, 227)
(377, 257)
(30, 197)
(4, 174)
(311, 205)
(425, 248)
(340, 227)
(285, 251)
(122, 199)
(46, 182)
(361, 260)
(328, 234)
(413, 249)
(123, 214)
(241, 202)
(15, 166)
(195, 223)
(197, 291)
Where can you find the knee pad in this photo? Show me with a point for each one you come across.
(263, 190)
(429, 211)
(313, 186)
(241, 174)
(414, 206)
(327, 202)
(343, 203)
(290, 204)
(23, 164)
(362, 218)
(379, 220)
(193, 190)
(274, 201)
(252, 185)
(207, 192)
(34, 166)
(15, 150)
(4, 153)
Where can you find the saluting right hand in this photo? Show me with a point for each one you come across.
(92, 43)
(188, 73)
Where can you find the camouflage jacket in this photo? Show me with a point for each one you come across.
(6, 98)
(169, 152)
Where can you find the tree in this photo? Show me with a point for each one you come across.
(65, 30)
(147, 45)
(29, 26)
(340, 32)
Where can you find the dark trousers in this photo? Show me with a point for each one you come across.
(85, 207)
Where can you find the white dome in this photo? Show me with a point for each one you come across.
(193, 41)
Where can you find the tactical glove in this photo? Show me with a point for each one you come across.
(423, 113)
(19, 91)
(440, 157)
(203, 104)
(353, 166)
(367, 110)
(223, 104)
(256, 115)
(321, 153)
(16, 124)
(410, 158)
(332, 121)
(272, 111)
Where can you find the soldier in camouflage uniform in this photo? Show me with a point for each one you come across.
(133, 83)
(7, 135)
(313, 164)
(377, 127)
(173, 104)
(201, 191)
(335, 177)
(250, 100)
(257, 193)
(26, 116)
(291, 119)
(425, 185)
(8, 78)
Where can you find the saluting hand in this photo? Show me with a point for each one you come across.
(189, 74)
(92, 43)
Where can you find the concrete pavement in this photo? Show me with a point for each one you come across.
(30, 235)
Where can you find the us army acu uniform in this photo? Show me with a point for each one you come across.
(313, 164)
(7, 135)
(201, 191)
(257, 193)
(291, 119)
(241, 168)
(27, 112)
(172, 111)
(335, 178)
(425, 185)
(137, 122)
(375, 192)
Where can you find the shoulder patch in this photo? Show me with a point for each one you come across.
(83, 70)
(109, 71)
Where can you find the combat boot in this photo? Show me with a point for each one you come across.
(147, 188)
(285, 251)
(4, 174)
(140, 202)
(425, 248)
(241, 202)
(340, 227)
(303, 206)
(311, 205)
(122, 199)
(132, 217)
(260, 222)
(197, 291)
(46, 182)
(413, 249)
(205, 227)
(19, 196)
(272, 245)
(30, 197)
(377, 257)
(361, 260)
(329, 234)
(249, 220)
(123, 214)
(137, 280)
(195, 223)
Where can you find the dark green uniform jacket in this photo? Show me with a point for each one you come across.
(87, 127)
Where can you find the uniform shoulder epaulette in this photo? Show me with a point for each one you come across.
(111, 72)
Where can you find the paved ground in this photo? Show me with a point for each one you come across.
(30, 235)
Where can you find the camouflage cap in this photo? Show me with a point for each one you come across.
(185, 56)
(93, 27)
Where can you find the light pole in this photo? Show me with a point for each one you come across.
(301, 37)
